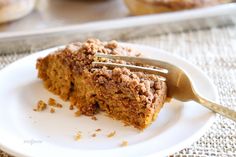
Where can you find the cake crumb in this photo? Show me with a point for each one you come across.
(71, 107)
(168, 99)
(94, 135)
(41, 105)
(51, 102)
(52, 110)
(58, 105)
(111, 134)
(97, 130)
(78, 136)
(77, 113)
(94, 118)
(124, 143)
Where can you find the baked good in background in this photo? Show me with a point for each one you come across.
(140, 7)
(14, 9)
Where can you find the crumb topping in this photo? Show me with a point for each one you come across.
(79, 56)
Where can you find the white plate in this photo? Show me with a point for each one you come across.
(24, 132)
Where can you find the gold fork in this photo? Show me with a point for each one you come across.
(178, 83)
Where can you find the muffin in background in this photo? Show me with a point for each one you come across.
(14, 9)
(140, 7)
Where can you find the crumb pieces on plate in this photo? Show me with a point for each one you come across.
(51, 102)
(94, 135)
(58, 105)
(52, 110)
(111, 134)
(97, 130)
(78, 136)
(71, 107)
(41, 105)
(94, 118)
(124, 143)
(77, 113)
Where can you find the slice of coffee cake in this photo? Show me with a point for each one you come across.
(133, 97)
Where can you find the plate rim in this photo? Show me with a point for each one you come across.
(181, 145)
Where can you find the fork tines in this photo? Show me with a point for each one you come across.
(132, 59)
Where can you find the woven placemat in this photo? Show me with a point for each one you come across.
(214, 51)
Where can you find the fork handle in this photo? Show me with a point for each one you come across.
(224, 111)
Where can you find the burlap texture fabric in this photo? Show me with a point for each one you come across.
(212, 50)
